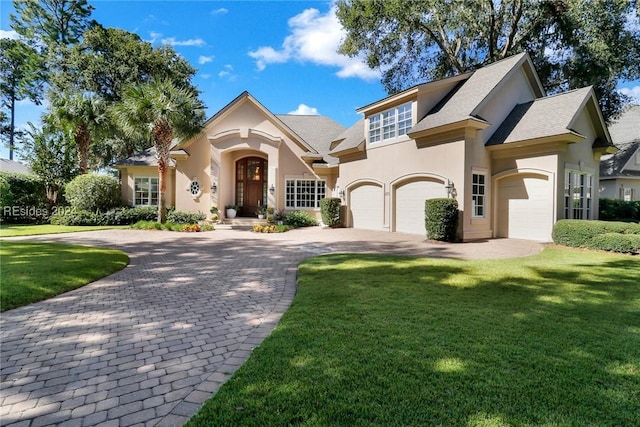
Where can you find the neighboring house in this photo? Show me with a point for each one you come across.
(515, 159)
(11, 166)
(620, 173)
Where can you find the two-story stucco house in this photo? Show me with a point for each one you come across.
(515, 159)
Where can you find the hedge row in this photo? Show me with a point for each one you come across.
(619, 210)
(603, 235)
(24, 199)
(122, 216)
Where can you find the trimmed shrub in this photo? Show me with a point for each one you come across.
(181, 217)
(615, 209)
(6, 196)
(330, 211)
(616, 242)
(77, 217)
(93, 192)
(29, 203)
(270, 228)
(441, 219)
(578, 233)
(300, 219)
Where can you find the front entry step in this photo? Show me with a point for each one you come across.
(239, 223)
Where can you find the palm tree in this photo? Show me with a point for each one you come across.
(82, 116)
(161, 110)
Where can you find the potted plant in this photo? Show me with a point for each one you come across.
(261, 212)
(214, 213)
(231, 211)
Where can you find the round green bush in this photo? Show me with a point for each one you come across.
(300, 219)
(93, 192)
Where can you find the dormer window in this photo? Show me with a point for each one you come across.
(390, 124)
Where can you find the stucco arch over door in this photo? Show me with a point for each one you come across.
(366, 205)
(525, 204)
(409, 195)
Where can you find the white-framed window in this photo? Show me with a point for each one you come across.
(145, 189)
(478, 194)
(626, 194)
(304, 193)
(390, 124)
(374, 128)
(578, 195)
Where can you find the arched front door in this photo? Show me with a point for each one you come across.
(251, 185)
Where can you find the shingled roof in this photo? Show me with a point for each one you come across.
(349, 139)
(614, 166)
(317, 131)
(463, 103)
(627, 127)
(543, 117)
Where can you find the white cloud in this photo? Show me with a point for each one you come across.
(632, 92)
(227, 73)
(314, 38)
(220, 11)
(171, 41)
(304, 110)
(4, 34)
(204, 59)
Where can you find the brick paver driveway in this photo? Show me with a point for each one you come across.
(149, 344)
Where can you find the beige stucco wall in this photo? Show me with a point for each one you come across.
(610, 188)
(128, 174)
(580, 157)
(396, 163)
(245, 131)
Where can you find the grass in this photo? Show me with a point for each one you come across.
(548, 340)
(31, 272)
(13, 230)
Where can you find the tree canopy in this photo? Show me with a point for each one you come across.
(572, 43)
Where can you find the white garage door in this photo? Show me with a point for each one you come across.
(410, 198)
(525, 207)
(366, 205)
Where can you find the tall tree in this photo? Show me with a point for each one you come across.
(20, 78)
(106, 61)
(51, 22)
(161, 110)
(51, 155)
(82, 117)
(572, 42)
(110, 59)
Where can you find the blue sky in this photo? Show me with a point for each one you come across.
(282, 52)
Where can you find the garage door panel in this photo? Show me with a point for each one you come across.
(409, 204)
(367, 205)
(525, 207)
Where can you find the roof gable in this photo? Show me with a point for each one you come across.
(547, 117)
(245, 98)
(317, 131)
(464, 102)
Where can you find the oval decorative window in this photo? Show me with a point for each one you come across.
(195, 188)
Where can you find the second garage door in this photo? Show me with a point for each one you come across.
(525, 207)
(367, 207)
(410, 198)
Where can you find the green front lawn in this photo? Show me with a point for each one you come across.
(13, 230)
(552, 339)
(31, 272)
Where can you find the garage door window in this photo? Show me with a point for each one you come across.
(578, 188)
(304, 193)
(478, 194)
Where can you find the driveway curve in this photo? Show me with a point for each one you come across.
(149, 344)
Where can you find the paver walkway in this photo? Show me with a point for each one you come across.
(149, 344)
